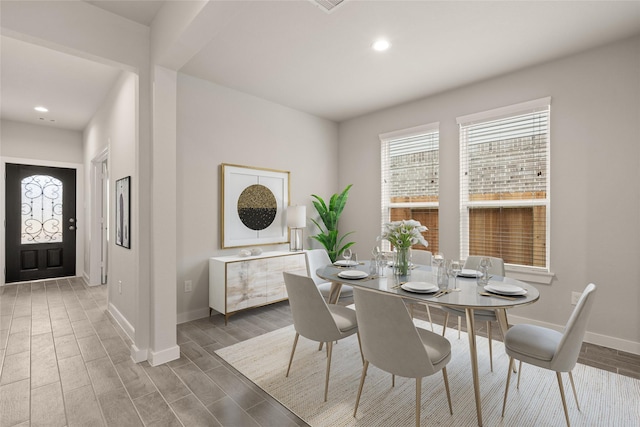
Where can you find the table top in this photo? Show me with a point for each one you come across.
(468, 297)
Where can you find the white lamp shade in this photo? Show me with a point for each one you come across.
(297, 216)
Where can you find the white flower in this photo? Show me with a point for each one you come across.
(405, 233)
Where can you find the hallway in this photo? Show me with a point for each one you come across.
(63, 362)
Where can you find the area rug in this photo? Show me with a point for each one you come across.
(605, 398)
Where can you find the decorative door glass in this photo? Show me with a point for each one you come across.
(41, 210)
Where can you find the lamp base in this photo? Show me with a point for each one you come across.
(295, 240)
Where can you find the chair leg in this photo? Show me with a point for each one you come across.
(364, 374)
(444, 325)
(564, 401)
(429, 315)
(393, 380)
(293, 350)
(418, 400)
(411, 310)
(573, 386)
(326, 382)
(360, 346)
(490, 345)
(446, 387)
(459, 326)
(506, 389)
(519, 372)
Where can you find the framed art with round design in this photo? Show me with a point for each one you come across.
(254, 202)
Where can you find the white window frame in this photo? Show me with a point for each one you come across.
(385, 205)
(529, 273)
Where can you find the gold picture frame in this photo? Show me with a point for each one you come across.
(254, 203)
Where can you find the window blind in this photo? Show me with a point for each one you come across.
(504, 184)
(410, 178)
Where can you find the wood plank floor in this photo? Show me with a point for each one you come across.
(64, 362)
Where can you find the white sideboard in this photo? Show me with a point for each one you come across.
(237, 283)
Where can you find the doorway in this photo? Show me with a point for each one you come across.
(98, 219)
(41, 223)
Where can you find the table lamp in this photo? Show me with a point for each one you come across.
(296, 221)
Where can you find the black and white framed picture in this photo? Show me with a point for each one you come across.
(254, 203)
(123, 212)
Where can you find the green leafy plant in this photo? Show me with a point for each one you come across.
(330, 215)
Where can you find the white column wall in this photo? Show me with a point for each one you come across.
(81, 29)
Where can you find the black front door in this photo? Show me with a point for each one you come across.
(41, 222)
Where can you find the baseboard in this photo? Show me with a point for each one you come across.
(87, 280)
(164, 356)
(138, 355)
(122, 322)
(590, 337)
(192, 315)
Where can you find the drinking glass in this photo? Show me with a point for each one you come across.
(383, 260)
(375, 261)
(483, 269)
(455, 267)
(346, 254)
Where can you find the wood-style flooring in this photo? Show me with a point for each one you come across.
(64, 362)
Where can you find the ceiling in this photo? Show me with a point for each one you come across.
(295, 54)
(71, 88)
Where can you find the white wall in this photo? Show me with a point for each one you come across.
(595, 175)
(114, 126)
(31, 141)
(219, 125)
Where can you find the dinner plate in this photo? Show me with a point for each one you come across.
(469, 273)
(421, 287)
(345, 263)
(352, 274)
(505, 289)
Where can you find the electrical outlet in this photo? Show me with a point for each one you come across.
(575, 296)
(188, 286)
(120, 286)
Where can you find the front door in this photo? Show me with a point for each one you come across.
(41, 222)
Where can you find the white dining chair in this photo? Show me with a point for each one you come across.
(497, 268)
(391, 342)
(421, 257)
(550, 349)
(316, 320)
(317, 258)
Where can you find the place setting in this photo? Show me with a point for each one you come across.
(353, 274)
(467, 273)
(347, 262)
(419, 287)
(422, 288)
(504, 290)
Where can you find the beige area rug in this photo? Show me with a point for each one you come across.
(606, 399)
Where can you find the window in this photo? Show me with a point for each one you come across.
(504, 182)
(41, 210)
(410, 174)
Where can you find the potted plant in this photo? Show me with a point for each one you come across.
(330, 215)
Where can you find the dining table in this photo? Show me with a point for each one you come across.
(469, 298)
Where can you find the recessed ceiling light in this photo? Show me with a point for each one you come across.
(41, 109)
(381, 45)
